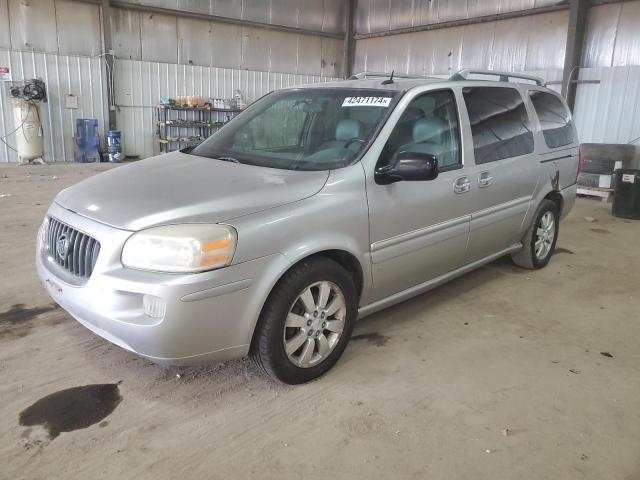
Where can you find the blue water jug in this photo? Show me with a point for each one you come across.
(87, 140)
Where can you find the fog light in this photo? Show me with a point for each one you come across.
(154, 307)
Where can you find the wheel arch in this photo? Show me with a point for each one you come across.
(557, 198)
(344, 258)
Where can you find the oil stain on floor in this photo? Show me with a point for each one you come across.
(19, 313)
(374, 337)
(19, 320)
(73, 408)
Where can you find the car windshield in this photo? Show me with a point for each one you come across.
(302, 129)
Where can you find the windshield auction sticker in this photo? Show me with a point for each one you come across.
(366, 102)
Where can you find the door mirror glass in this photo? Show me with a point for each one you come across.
(409, 166)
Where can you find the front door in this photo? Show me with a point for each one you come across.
(419, 229)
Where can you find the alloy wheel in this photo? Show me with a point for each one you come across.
(314, 324)
(545, 234)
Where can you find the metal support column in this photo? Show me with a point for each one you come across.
(573, 51)
(349, 41)
(108, 58)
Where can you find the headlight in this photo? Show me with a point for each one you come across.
(42, 236)
(180, 248)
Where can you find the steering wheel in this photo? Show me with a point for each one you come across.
(351, 140)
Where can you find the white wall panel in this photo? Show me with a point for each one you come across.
(283, 52)
(477, 45)
(382, 15)
(159, 38)
(287, 13)
(480, 8)
(194, 41)
(310, 13)
(627, 51)
(5, 33)
(335, 15)
(509, 50)
(446, 49)
(32, 27)
(139, 85)
(529, 43)
(547, 40)
(609, 112)
(79, 30)
(63, 74)
(126, 34)
(226, 45)
(401, 14)
(600, 35)
(226, 8)
(256, 10)
(195, 6)
(255, 48)
(332, 57)
(452, 10)
(309, 55)
(612, 37)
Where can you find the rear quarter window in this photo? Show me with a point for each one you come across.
(499, 123)
(554, 117)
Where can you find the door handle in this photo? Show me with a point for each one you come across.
(461, 185)
(485, 180)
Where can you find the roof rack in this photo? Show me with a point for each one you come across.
(504, 76)
(365, 75)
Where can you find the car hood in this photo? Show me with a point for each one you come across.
(182, 188)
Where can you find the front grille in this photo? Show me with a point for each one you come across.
(74, 251)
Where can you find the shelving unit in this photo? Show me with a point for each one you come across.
(181, 127)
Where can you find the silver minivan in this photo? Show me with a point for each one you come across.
(314, 206)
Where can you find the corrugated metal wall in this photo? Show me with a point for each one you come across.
(609, 112)
(605, 112)
(140, 84)
(612, 38)
(66, 37)
(382, 15)
(520, 44)
(61, 40)
(320, 15)
(63, 74)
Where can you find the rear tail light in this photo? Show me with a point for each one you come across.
(580, 161)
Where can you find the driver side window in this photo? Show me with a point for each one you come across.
(428, 125)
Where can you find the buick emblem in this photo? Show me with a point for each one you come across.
(62, 246)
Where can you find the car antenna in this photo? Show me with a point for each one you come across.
(389, 80)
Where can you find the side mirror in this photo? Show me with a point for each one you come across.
(409, 166)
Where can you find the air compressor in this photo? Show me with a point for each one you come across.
(27, 96)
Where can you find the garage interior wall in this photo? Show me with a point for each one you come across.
(169, 55)
(608, 112)
(158, 55)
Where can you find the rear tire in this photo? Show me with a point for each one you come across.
(306, 322)
(540, 240)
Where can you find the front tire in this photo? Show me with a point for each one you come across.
(540, 240)
(306, 322)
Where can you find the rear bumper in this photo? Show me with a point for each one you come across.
(209, 316)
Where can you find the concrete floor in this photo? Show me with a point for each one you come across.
(427, 396)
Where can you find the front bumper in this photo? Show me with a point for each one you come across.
(209, 316)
